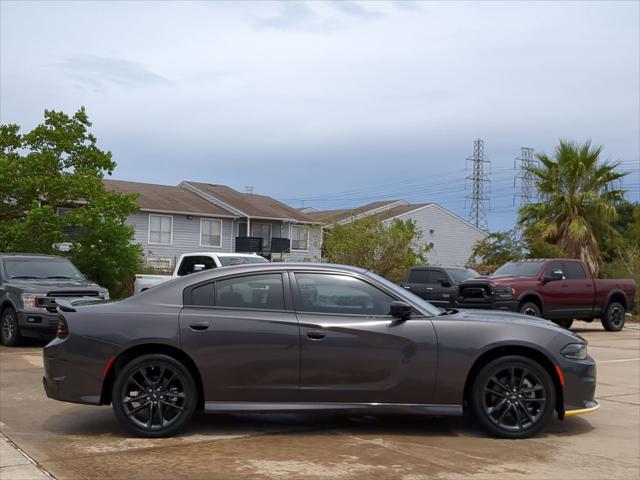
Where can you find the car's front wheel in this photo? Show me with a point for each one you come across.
(530, 308)
(513, 397)
(613, 319)
(154, 396)
(9, 329)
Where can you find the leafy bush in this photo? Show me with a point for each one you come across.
(388, 250)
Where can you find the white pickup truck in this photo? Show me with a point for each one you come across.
(196, 262)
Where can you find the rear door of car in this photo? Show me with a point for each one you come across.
(353, 351)
(243, 334)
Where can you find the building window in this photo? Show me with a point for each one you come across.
(160, 229)
(210, 232)
(263, 231)
(160, 263)
(299, 238)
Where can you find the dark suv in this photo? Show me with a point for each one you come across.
(437, 285)
(23, 277)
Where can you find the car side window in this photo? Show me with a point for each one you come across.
(418, 276)
(438, 276)
(553, 266)
(340, 295)
(262, 291)
(573, 271)
(202, 295)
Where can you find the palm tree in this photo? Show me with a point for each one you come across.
(578, 198)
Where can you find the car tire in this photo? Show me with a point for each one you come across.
(508, 413)
(565, 323)
(154, 396)
(613, 320)
(9, 329)
(530, 308)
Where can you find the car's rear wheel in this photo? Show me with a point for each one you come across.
(154, 396)
(9, 329)
(530, 308)
(513, 397)
(613, 320)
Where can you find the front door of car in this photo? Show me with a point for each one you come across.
(554, 293)
(353, 351)
(243, 335)
(443, 292)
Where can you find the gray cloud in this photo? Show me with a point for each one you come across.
(97, 72)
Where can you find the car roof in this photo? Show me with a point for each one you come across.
(32, 255)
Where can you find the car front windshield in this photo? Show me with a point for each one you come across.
(426, 306)
(51, 268)
(519, 269)
(230, 261)
(461, 274)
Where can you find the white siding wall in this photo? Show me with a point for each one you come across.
(315, 247)
(186, 236)
(452, 237)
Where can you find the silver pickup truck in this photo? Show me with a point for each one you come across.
(195, 262)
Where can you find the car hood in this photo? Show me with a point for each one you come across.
(40, 285)
(498, 316)
(497, 280)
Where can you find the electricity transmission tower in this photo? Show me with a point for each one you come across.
(527, 193)
(478, 179)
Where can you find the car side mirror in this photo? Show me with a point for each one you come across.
(400, 310)
(198, 267)
(553, 276)
(445, 283)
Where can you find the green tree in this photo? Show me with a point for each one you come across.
(579, 198)
(58, 165)
(368, 243)
(496, 249)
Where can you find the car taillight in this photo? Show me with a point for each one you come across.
(63, 328)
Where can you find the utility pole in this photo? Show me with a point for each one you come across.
(527, 193)
(478, 179)
(249, 189)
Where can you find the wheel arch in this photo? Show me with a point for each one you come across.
(524, 351)
(530, 296)
(616, 295)
(7, 303)
(148, 349)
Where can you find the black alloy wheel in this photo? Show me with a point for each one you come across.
(613, 320)
(513, 397)
(154, 396)
(9, 330)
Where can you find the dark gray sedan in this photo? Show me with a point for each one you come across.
(312, 338)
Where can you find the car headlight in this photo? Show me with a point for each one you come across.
(504, 292)
(575, 351)
(105, 295)
(29, 302)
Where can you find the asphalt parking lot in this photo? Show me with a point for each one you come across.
(81, 442)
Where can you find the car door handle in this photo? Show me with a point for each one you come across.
(199, 325)
(429, 288)
(315, 336)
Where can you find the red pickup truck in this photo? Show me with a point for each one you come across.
(557, 289)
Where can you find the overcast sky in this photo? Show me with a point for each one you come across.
(305, 100)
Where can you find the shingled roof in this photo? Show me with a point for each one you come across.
(253, 205)
(165, 198)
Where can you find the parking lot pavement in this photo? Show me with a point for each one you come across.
(82, 442)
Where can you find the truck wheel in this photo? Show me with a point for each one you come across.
(530, 308)
(566, 323)
(9, 329)
(613, 319)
